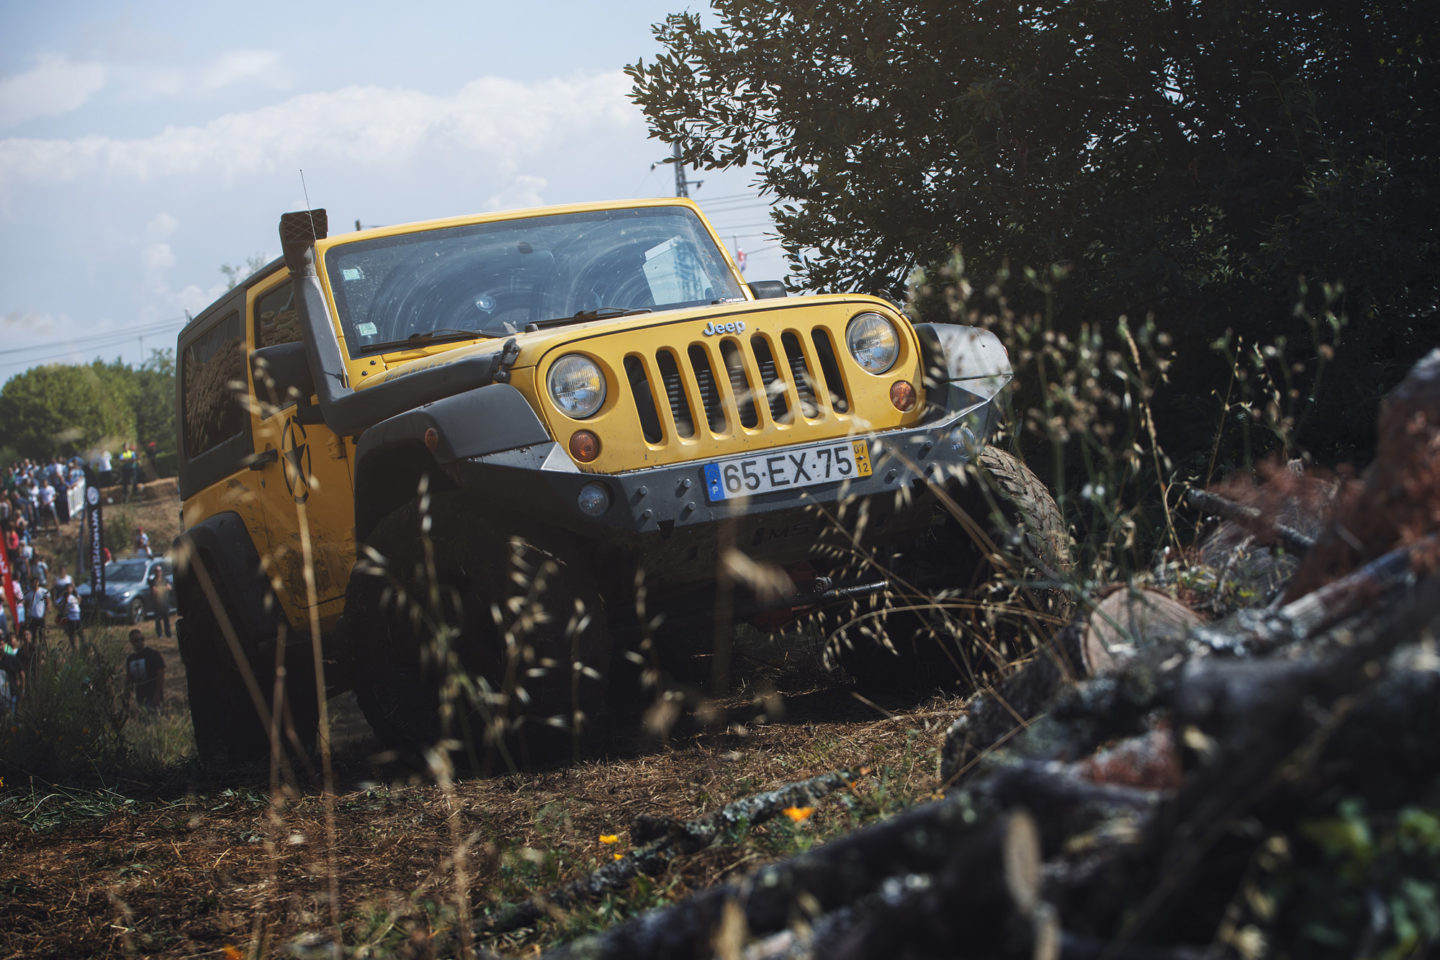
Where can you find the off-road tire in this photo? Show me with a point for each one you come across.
(227, 728)
(974, 608)
(508, 630)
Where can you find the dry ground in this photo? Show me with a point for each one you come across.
(200, 866)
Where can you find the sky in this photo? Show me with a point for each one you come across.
(145, 145)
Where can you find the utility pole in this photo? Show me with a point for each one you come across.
(682, 186)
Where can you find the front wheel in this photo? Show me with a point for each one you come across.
(979, 589)
(471, 634)
(136, 611)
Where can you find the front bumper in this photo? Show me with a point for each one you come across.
(663, 514)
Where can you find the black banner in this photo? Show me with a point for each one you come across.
(95, 523)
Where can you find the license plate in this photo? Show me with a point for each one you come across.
(782, 469)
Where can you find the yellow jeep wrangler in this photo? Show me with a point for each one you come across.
(455, 462)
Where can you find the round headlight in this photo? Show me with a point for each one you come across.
(873, 342)
(576, 385)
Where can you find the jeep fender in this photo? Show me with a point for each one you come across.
(392, 456)
(969, 357)
(224, 545)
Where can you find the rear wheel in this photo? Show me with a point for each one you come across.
(464, 633)
(979, 589)
(229, 725)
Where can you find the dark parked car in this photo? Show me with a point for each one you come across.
(127, 589)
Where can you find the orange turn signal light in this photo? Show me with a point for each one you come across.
(902, 395)
(584, 446)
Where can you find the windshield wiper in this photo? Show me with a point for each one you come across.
(599, 313)
(442, 335)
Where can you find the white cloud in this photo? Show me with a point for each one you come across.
(162, 225)
(158, 258)
(53, 87)
(492, 121)
(521, 192)
(242, 66)
(32, 325)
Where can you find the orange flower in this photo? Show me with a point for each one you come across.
(619, 856)
(799, 814)
(609, 838)
(232, 952)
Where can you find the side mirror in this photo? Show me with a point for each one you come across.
(282, 375)
(767, 289)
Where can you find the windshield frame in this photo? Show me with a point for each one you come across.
(495, 277)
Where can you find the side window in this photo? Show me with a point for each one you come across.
(214, 407)
(275, 319)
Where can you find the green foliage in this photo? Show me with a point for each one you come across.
(60, 409)
(77, 722)
(72, 714)
(1195, 163)
(1354, 876)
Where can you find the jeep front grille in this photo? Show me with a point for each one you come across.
(748, 379)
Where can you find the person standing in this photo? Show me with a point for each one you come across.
(142, 542)
(160, 599)
(145, 673)
(47, 510)
(37, 604)
(71, 611)
(11, 677)
(129, 470)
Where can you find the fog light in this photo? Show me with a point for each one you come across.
(902, 394)
(594, 499)
(963, 439)
(584, 446)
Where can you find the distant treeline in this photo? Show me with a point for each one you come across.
(69, 409)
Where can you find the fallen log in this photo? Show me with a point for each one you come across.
(995, 852)
(665, 840)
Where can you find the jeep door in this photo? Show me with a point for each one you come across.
(305, 488)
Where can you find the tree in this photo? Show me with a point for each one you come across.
(155, 401)
(74, 409)
(1200, 162)
(58, 409)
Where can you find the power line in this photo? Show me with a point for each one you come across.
(119, 336)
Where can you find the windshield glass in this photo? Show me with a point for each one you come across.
(494, 278)
(125, 571)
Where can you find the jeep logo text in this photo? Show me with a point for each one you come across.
(713, 329)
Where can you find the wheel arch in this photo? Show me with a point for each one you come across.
(392, 456)
(222, 543)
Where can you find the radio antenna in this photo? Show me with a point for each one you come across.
(309, 211)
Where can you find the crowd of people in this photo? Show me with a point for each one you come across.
(36, 498)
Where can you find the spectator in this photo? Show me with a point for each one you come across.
(64, 581)
(41, 569)
(46, 510)
(19, 598)
(106, 469)
(129, 469)
(37, 604)
(145, 673)
(12, 675)
(142, 542)
(71, 613)
(160, 598)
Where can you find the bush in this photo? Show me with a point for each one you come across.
(76, 721)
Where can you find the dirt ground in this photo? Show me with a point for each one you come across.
(253, 864)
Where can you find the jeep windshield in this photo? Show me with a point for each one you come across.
(495, 279)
